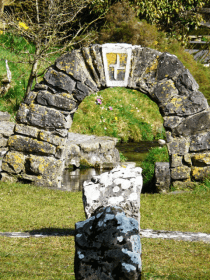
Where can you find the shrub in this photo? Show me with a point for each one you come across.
(122, 26)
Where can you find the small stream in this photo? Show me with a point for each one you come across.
(134, 152)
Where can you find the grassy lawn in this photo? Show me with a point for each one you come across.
(29, 208)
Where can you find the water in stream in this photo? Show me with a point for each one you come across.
(134, 152)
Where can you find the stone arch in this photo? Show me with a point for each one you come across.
(37, 147)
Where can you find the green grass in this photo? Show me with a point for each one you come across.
(10, 49)
(29, 208)
(133, 116)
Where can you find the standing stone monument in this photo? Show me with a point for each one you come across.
(119, 187)
(107, 246)
(38, 146)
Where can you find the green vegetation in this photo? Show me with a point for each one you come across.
(36, 209)
(159, 154)
(119, 112)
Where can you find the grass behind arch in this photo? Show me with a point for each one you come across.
(124, 113)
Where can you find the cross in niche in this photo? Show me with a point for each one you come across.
(116, 67)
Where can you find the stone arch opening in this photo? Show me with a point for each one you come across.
(37, 148)
(105, 113)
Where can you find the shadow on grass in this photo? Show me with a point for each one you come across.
(52, 232)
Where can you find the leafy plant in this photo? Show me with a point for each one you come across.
(171, 16)
(122, 26)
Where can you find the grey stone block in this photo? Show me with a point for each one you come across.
(107, 246)
(162, 177)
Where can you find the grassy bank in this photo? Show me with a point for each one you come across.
(29, 208)
(119, 112)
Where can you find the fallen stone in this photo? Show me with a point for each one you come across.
(107, 246)
(120, 187)
(176, 235)
(144, 233)
(161, 142)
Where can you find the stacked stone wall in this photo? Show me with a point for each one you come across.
(45, 116)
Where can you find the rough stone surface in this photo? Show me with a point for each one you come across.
(61, 101)
(59, 80)
(201, 159)
(176, 160)
(198, 173)
(6, 128)
(185, 105)
(41, 116)
(90, 150)
(162, 177)
(26, 130)
(179, 146)
(26, 144)
(200, 142)
(4, 116)
(169, 67)
(13, 162)
(186, 82)
(107, 246)
(180, 172)
(193, 125)
(119, 187)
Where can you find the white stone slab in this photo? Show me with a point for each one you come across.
(119, 187)
(116, 59)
